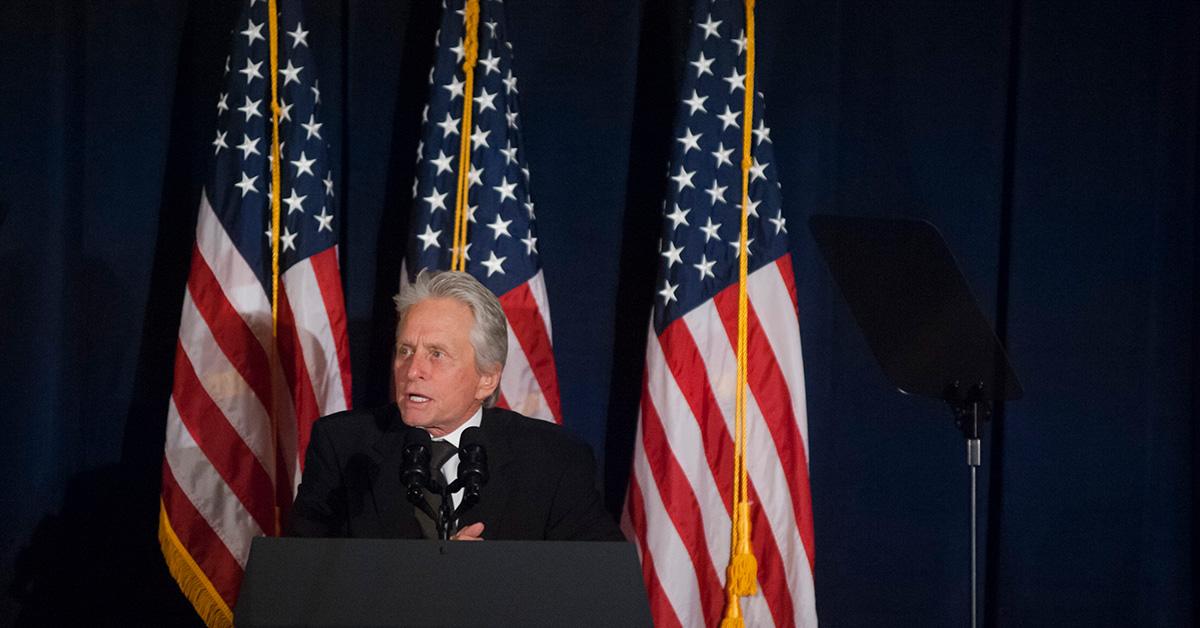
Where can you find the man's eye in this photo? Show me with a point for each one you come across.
(404, 352)
(435, 353)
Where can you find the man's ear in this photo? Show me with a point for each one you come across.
(488, 382)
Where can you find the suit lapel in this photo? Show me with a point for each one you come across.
(495, 494)
(392, 508)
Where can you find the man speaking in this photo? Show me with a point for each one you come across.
(451, 344)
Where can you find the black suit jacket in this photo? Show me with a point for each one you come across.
(541, 482)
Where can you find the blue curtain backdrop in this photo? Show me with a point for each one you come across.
(1055, 144)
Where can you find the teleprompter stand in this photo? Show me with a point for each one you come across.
(389, 582)
(922, 324)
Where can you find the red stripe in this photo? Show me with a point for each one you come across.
(680, 502)
(329, 280)
(686, 365)
(660, 606)
(530, 329)
(284, 496)
(291, 361)
(772, 577)
(784, 265)
(688, 368)
(502, 402)
(770, 391)
(204, 546)
(221, 444)
(239, 344)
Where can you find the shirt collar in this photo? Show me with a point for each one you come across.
(475, 421)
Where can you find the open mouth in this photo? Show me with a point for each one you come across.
(418, 398)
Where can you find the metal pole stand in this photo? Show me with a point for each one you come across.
(971, 411)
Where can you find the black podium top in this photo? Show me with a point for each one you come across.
(383, 582)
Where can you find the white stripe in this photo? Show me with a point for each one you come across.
(518, 385)
(207, 491)
(317, 342)
(671, 561)
(224, 384)
(537, 287)
(777, 314)
(239, 283)
(686, 442)
(763, 463)
(773, 304)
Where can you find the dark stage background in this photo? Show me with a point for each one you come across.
(1054, 143)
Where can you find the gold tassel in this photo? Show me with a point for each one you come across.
(733, 611)
(742, 574)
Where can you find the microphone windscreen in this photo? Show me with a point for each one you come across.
(417, 436)
(470, 436)
(414, 459)
(472, 457)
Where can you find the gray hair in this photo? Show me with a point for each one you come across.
(489, 335)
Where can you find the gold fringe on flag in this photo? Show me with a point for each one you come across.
(741, 575)
(195, 585)
(458, 258)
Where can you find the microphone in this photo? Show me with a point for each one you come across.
(414, 467)
(472, 467)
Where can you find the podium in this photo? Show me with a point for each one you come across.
(389, 582)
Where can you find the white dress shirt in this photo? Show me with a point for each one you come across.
(450, 467)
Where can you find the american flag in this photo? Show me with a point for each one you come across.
(678, 508)
(502, 243)
(244, 398)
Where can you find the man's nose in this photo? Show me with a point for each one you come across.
(416, 368)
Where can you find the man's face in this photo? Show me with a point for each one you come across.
(438, 386)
